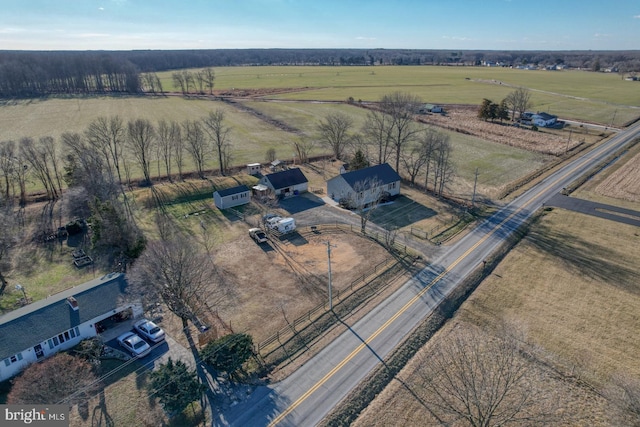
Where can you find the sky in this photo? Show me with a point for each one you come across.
(390, 24)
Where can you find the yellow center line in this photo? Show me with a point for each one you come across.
(412, 301)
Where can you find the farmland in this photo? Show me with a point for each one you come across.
(575, 335)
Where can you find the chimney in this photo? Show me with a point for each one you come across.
(73, 303)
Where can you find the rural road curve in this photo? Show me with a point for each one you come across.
(310, 393)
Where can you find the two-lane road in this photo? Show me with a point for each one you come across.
(309, 394)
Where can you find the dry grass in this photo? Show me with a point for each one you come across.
(624, 183)
(575, 285)
(548, 141)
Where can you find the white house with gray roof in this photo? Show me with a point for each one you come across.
(59, 322)
(366, 184)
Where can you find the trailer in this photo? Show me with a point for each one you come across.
(281, 225)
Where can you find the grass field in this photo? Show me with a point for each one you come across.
(562, 92)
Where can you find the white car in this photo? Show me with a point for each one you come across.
(149, 330)
(134, 344)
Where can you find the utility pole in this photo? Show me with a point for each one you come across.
(568, 140)
(475, 183)
(330, 293)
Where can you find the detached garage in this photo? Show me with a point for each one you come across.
(230, 197)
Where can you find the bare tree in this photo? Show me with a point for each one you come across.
(443, 166)
(270, 155)
(174, 271)
(62, 378)
(196, 144)
(178, 81)
(107, 136)
(377, 130)
(141, 137)
(401, 107)
(414, 161)
(165, 145)
(303, 147)
(200, 81)
(209, 77)
(87, 168)
(218, 133)
(335, 133)
(8, 165)
(519, 101)
(41, 157)
(482, 381)
(177, 146)
(436, 150)
(189, 80)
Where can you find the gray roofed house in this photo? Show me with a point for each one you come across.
(287, 182)
(372, 181)
(230, 197)
(59, 322)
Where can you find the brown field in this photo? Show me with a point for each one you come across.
(575, 286)
(464, 119)
(624, 183)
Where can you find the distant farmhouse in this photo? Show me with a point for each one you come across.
(430, 108)
(59, 322)
(373, 182)
(539, 119)
(286, 183)
(230, 197)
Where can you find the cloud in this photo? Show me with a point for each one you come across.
(366, 38)
(601, 35)
(101, 8)
(636, 16)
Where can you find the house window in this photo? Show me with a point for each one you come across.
(77, 331)
(50, 344)
(61, 338)
(66, 335)
(392, 185)
(14, 359)
(234, 197)
(7, 362)
(55, 341)
(19, 356)
(73, 334)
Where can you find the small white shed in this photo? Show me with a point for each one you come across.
(231, 197)
(253, 168)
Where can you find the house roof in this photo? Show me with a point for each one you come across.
(286, 178)
(545, 116)
(41, 320)
(383, 174)
(233, 190)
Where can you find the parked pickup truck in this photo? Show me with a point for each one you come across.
(258, 235)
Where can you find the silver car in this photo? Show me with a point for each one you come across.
(149, 330)
(134, 344)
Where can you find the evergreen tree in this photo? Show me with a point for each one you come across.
(359, 161)
(175, 386)
(227, 354)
